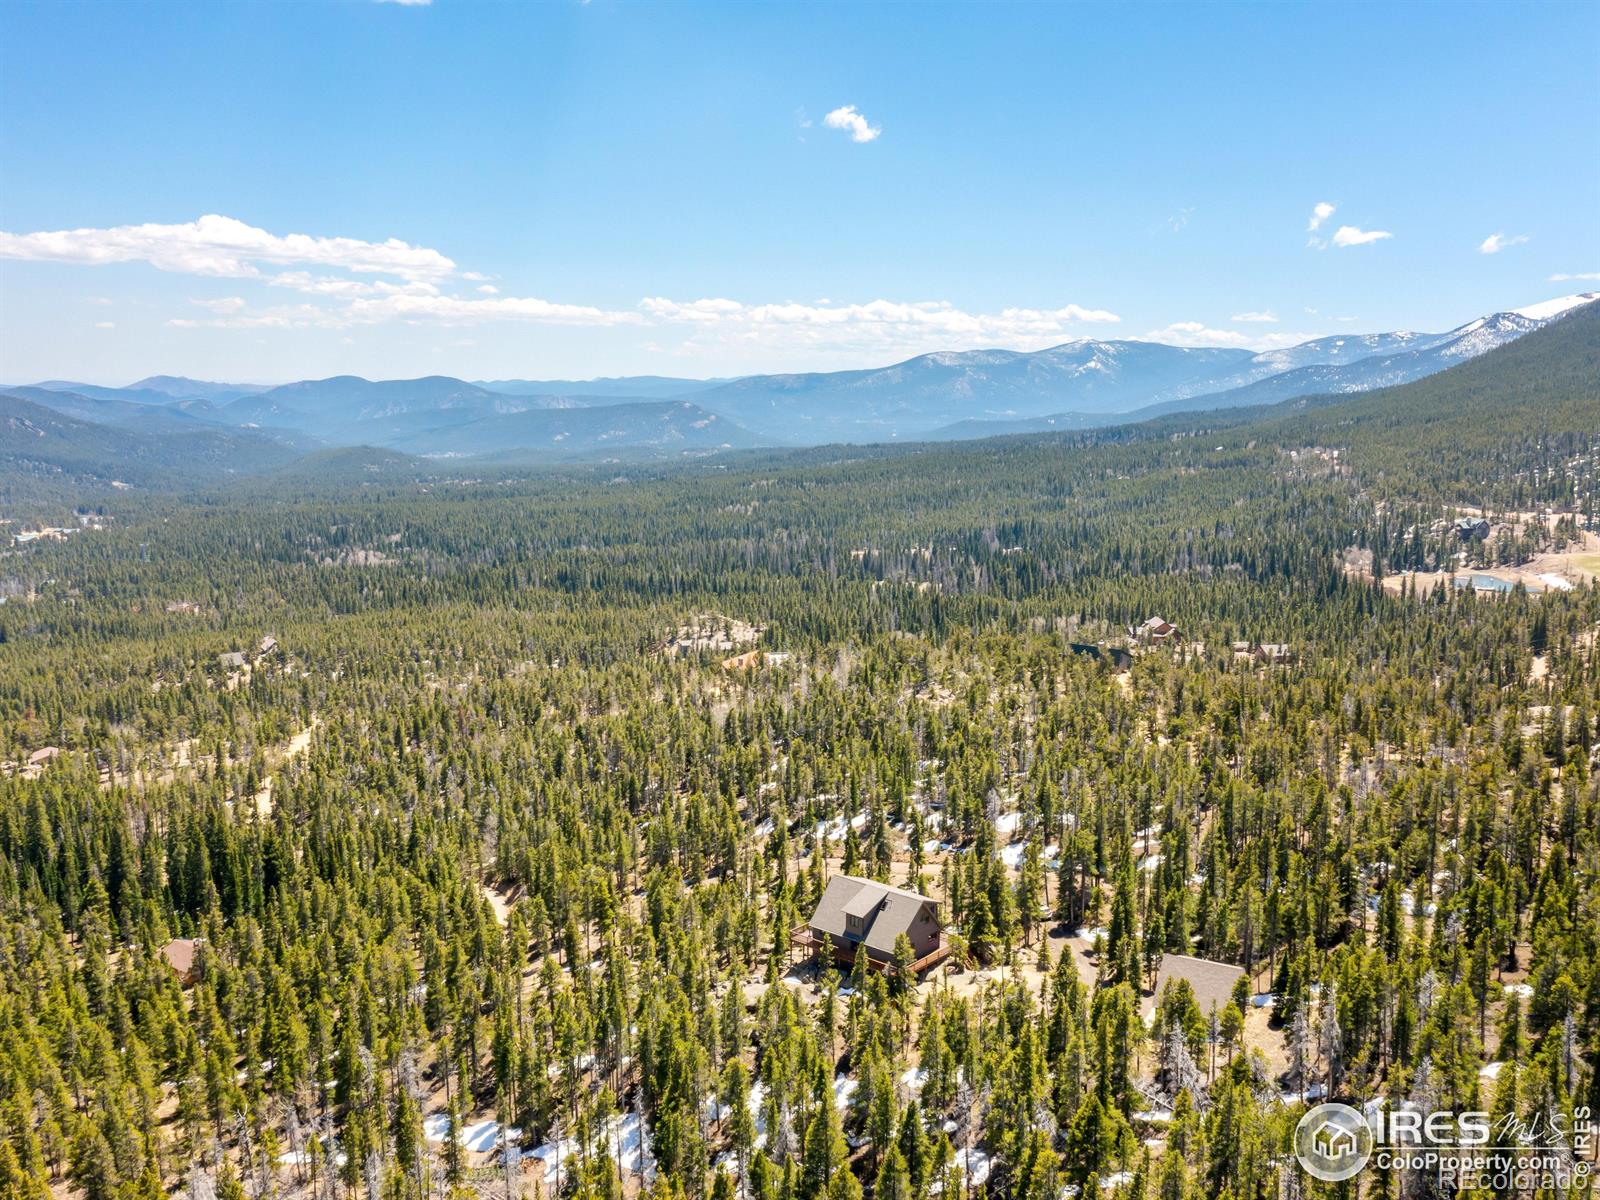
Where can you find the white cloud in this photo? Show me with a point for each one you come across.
(694, 310)
(719, 325)
(1497, 242)
(853, 123)
(1319, 214)
(883, 321)
(1581, 276)
(105, 324)
(225, 304)
(346, 283)
(1197, 334)
(335, 285)
(411, 306)
(406, 3)
(1349, 235)
(297, 316)
(805, 334)
(1264, 318)
(224, 247)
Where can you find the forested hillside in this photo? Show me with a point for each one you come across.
(358, 825)
(49, 455)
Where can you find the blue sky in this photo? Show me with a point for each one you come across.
(569, 189)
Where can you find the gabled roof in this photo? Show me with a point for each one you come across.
(179, 953)
(886, 912)
(863, 902)
(1212, 981)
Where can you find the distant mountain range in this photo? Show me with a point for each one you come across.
(912, 398)
(159, 389)
(944, 396)
(44, 447)
(1327, 366)
(648, 387)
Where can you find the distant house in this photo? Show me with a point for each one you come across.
(1212, 981)
(179, 954)
(1155, 630)
(864, 916)
(1275, 653)
(233, 660)
(1117, 656)
(1471, 529)
(41, 535)
(267, 646)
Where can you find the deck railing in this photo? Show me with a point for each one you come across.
(807, 938)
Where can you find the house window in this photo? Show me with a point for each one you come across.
(852, 921)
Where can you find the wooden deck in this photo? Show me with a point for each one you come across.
(805, 938)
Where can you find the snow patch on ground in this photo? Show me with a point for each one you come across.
(1315, 1092)
(843, 1088)
(479, 1136)
(834, 830)
(625, 1140)
(975, 1165)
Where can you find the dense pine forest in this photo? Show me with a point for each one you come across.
(370, 831)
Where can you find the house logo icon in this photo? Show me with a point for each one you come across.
(1332, 1142)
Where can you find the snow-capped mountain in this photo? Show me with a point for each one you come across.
(949, 394)
(1547, 309)
(1332, 365)
(912, 397)
(1425, 354)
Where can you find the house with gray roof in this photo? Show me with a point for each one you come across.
(862, 915)
(1211, 981)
